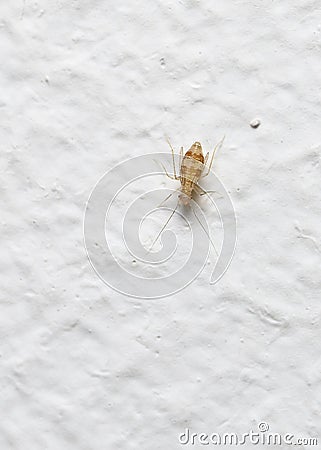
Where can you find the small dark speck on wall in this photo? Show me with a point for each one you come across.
(255, 123)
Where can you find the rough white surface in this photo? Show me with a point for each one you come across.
(85, 84)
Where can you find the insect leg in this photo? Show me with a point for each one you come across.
(204, 229)
(167, 174)
(163, 167)
(173, 157)
(181, 154)
(169, 196)
(219, 145)
(206, 158)
(200, 191)
(164, 226)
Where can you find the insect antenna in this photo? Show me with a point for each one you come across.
(164, 226)
(209, 238)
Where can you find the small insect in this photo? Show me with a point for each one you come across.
(192, 166)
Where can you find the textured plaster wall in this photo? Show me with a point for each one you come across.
(87, 84)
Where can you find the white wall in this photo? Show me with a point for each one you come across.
(88, 84)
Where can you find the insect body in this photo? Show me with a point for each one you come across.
(191, 170)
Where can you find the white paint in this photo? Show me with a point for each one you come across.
(88, 84)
